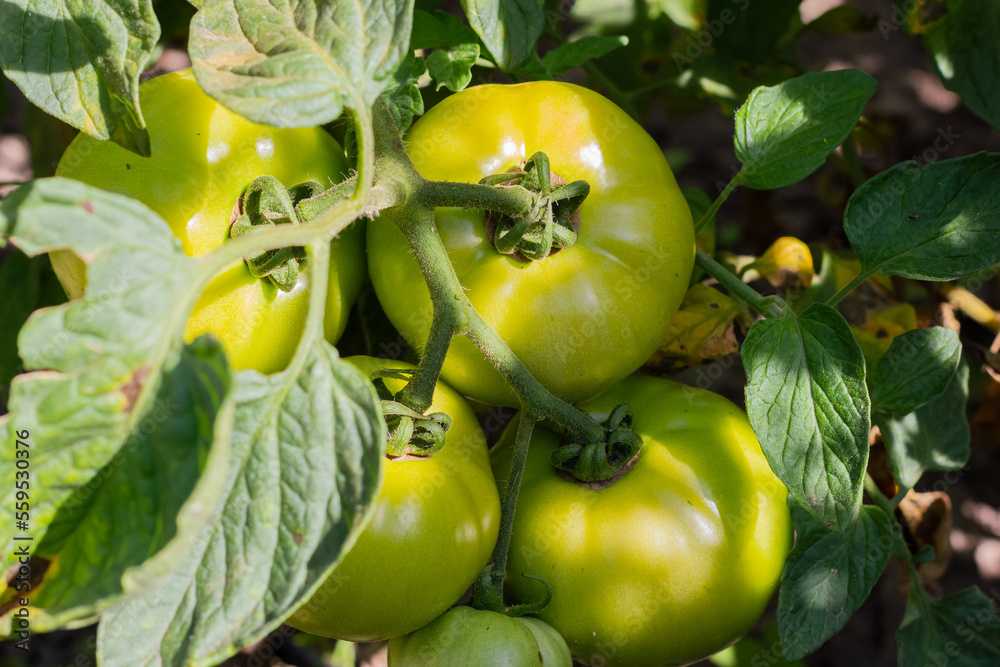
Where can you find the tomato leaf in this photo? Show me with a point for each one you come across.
(508, 28)
(828, 575)
(702, 329)
(917, 367)
(154, 497)
(786, 263)
(97, 354)
(439, 30)
(966, 54)
(306, 459)
(453, 67)
(935, 436)
(403, 98)
(298, 64)
(960, 630)
(808, 404)
(91, 79)
(785, 132)
(940, 221)
(566, 56)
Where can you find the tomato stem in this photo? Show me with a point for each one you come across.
(848, 288)
(719, 201)
(454, 313)
(525, 427)
(511, 200)
(446, 321)
(766, 306)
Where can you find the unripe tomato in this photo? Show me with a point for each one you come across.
(584, 317)
(669, 564)
(465, 636)
(203, 158)
(433, 530)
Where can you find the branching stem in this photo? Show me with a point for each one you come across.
(766, 306)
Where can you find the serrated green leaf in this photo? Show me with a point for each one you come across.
(508, 28)
(439, 30)
(578, 53)
(935, 436)
(808, 404)
(749, 30)
(918, 365)
(453, 67)
(298, 63)
(829, 575)
(80, 61)
(960, 630)
(306, 461)
(940, 221)
(966, 53)
(101, 356)
(403, 98)
(134, 510)
(785, 132)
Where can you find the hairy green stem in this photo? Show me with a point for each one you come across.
(512, 200)
(848, 288)
(871, 487)
(509, 501)
(446, 321)
(902, 548)
(447, 293)
(766, 306)
(319, 278)
(719, 201)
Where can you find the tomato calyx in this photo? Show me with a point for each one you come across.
(411, 434)
(264, 204)
(598, 465)
(552, 223)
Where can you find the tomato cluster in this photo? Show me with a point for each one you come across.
(662, 565)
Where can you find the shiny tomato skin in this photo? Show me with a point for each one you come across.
(466, 636)
(432, 531)
(671, 563)
(584, 317)
(203, 157)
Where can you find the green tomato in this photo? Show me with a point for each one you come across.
(433, 529)
(203, 158)
(584, 317)
(670, 563)
(465, 636)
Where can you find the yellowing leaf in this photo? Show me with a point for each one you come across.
(703, 329)
(881, 325)
(787, 263)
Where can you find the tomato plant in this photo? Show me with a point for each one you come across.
(673, 561)
(585, 316)
(433, 528)
(466, 636)
(202, 162)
